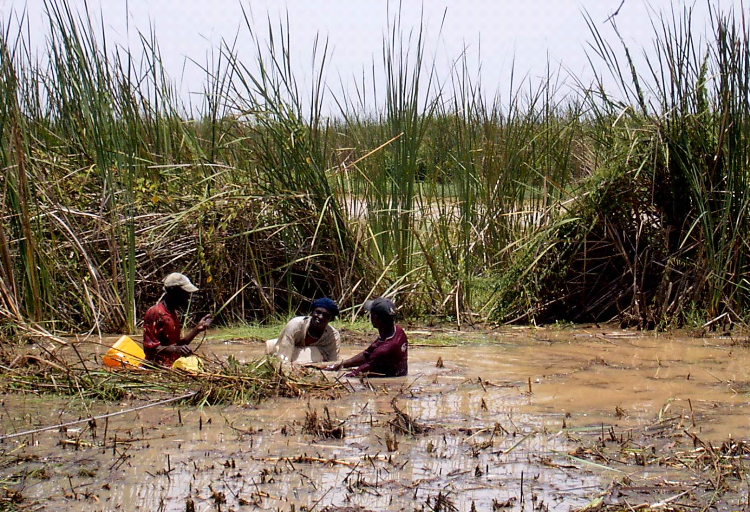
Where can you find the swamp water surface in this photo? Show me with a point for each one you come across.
(533, 420)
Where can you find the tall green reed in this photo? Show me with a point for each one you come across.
(91, 131)
(287, 147)
(454, 198)
(17, 193)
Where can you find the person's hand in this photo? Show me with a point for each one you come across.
(334, 367)
(180, 350)
(204, 323)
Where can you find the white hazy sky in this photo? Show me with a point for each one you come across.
(529, 32)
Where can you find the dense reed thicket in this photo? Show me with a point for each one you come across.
(536, 205)
(657, 234)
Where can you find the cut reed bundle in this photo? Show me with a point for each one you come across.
(220, 382)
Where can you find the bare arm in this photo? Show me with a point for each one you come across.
(181, 350)
(357, 360)
(201, 326)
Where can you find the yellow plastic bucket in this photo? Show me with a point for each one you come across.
(189, 363)
(125, 352)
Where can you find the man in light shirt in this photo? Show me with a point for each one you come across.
(309, 339)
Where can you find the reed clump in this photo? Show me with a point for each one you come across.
(655, 236)
(402, 423)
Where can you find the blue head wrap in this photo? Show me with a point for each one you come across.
(327, 304)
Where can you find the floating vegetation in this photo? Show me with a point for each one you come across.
(717, 470)
(221, 382)
(10, 500)
(235, 382)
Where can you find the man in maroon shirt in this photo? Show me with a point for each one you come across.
(386, 356)
(162, 341)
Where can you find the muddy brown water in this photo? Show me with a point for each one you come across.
(503, 419)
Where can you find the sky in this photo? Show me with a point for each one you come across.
(497, 35)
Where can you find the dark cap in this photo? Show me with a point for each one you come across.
(327, 304)
(380, 307)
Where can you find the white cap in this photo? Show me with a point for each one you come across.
(177, 280)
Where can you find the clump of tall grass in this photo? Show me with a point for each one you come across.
(452, 180)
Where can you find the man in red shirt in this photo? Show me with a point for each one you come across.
(387, 356)
(162, 341)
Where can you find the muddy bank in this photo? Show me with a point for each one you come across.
(527, 419)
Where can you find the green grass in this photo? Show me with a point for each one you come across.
(253, 332)
(266, 331)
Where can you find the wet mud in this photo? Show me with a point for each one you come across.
(517, 420)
